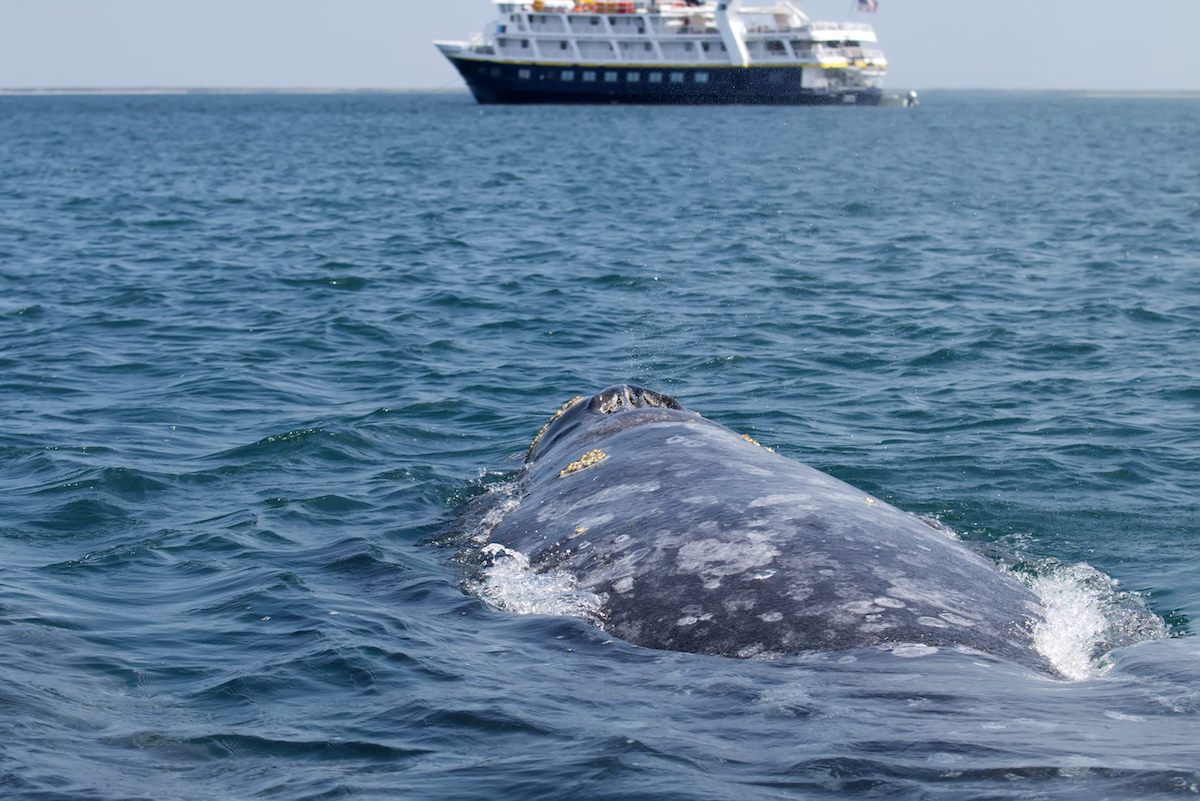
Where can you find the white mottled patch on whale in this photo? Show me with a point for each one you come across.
(623, 585)
(595, 521)
(917, 561)
(682, 470)
(800, 592)
(861, 607)
(897, 579)
(759, 652)
(804, 500)
(889, 603)
(742, 603)
(933, 622)
(606, 497)
(840, 620)
(875, 624)
(926, 596)
(713, 559)
(620, 491)
(687, 442)
(701, 500)
(771, 617)
(605, 565)
(913, 650)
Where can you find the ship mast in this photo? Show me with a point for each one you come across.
(733, 31)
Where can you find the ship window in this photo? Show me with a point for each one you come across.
(656, 77)
(564, 45)
(524, 74)
(595, 20)
(610, 77)
(588, 75)
(701, 77)
(568, 75)
(774, 46)
(676, 77)
(495, 72)
(633, 77)
(525, 43)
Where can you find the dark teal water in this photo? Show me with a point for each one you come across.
(254, 351)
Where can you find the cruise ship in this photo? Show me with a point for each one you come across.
(668, 51)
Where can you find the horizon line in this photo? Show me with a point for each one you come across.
(316, 90)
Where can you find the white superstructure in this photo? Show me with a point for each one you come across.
(775, 42)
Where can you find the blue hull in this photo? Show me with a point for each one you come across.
(495, 82)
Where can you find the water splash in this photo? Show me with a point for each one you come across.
(1086, 618)
(506, 579)
(510, 583)
(498, 503)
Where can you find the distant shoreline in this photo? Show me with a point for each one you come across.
(67, 91)
(1170, 95)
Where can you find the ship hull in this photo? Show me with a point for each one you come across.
(506, 82)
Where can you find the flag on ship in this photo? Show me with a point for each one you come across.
(870, 6)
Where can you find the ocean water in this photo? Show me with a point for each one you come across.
(256, 353)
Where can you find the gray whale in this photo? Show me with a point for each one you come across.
(699, 539)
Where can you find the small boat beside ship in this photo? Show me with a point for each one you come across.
(670, 51)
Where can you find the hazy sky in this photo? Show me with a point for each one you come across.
(992, 44)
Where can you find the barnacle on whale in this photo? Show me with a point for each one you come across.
(587, 460)
(554, 417)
